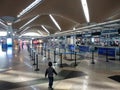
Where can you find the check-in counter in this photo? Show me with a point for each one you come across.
(110, 51)
(84, 48)
(71, 47)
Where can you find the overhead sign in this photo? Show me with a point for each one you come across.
(110, 32)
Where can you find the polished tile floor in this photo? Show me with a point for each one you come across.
(17, 72)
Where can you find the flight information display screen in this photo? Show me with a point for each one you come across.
(9, 41)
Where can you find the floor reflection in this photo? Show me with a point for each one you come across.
(9, 52)
(5, 58)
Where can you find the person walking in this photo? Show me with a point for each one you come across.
(49, 72)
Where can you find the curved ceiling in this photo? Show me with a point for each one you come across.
(68, 13)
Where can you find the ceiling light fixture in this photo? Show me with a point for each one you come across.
(29, 22)
(18, 20)
(55, 22)
(85, 9)
(3, 23)
(25, 29)
(3, 33)
(45, 29)
(9, 23)
(40, 32)
(31, 6)
(74, 28)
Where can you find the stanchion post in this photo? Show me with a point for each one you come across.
(75, 60)
(107, 55)
(34, 58)
(45, 52)
(48, 54)
(61, 60)
(30, 52)
(93, 62)
(28, 48)
(37, 69)
(119, 53)
(54, 56)
(41, 50)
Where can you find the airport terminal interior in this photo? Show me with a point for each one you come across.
(80, 37)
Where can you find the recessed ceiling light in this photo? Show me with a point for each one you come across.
(55, 22)
(30, 7)
(45, 29)
(85, 9)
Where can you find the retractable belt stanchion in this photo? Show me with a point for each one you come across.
(48, 54)
(30, 52)
(107, 55)
(37, 69)
(45, 53)
(93, 62)
(34, 58)
(61, 60)
(119, 53)
(41, 50)
(54, 56)
(75, 60)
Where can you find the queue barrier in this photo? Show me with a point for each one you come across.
(108, 51)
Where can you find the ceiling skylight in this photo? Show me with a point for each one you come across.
(55, 22)
(31, 34)
(85, 9)
(45, 29)
(31, 6)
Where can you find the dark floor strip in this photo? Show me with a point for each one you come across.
(115, 77)
(64, 74)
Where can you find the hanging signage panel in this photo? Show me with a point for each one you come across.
(110, 32)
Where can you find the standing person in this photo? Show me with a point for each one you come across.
(50, 71)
